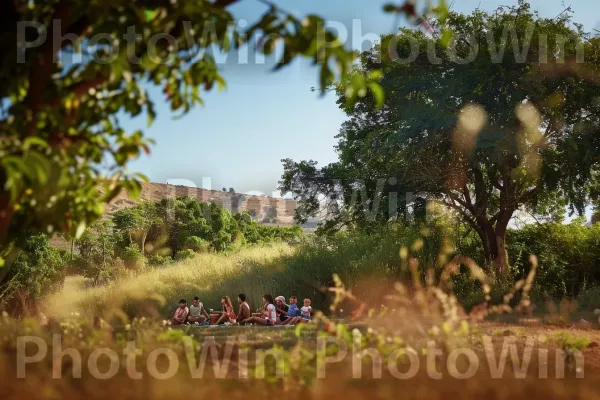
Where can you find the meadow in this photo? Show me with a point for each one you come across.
(390, 323)
(368, 264)
(208, 276)
(394, 296)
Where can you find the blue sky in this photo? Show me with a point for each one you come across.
(239, 137)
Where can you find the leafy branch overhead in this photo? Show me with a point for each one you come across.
(63, 149)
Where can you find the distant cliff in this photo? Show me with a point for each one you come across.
(266, 210)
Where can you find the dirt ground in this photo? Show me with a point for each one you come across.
(339, 381)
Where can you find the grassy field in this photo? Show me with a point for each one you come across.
(208, 276)
(563, 361)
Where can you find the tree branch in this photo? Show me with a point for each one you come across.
(41, 75)
(224, 3)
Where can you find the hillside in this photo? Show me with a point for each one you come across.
(266, 210)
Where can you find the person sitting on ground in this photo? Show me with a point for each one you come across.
(244, 311)
(293, 312)
(281, 309)
(229, 314)
(180, 315)
(269, 316)
(306, 310)
(197, 312)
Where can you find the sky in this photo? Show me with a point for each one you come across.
(241, 134)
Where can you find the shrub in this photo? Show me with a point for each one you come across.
(185, 255)
(132, 257)
(568, 257)
(38, 271)
(589, 298)
(157, 260)
(197, 244)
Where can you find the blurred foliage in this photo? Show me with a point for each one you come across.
(490, 114)
(96, 252)
(63, 150)
(38, 270)
(185, 254)
(569, 257)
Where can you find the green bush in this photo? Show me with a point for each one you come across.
(96, 252)
(185, 255)
(157, 260)
(589, 298)
(132, 257)
(37, 271)
(568, 262)
(197, 244)
(568, 257)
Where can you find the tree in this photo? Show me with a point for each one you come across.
(137, 222)
(486, 136)
(127, 221)
(231, 190)
(148, 218)
(96, 251)
(58, 120)
(38, 270)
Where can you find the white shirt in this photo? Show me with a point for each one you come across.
(306, 311)
(272, 315)
(196, 312)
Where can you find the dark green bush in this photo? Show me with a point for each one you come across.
(132, 257)
(197, 244)
(157, 260)
(38, 270)
(568, 257)
(184, 255)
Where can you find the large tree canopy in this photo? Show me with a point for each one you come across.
(59, 121)
(493, 113)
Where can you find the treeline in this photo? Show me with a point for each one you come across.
(149, 234)
(369, 263)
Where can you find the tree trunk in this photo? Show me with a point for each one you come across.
(143, 244)
(494, 246)
(500, 256)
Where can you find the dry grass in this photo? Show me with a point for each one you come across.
(208, 275)
(414, 314)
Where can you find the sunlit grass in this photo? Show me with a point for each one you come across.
(209, 276)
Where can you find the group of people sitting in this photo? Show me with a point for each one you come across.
(273, 312)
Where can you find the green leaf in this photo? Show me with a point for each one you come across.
(390, 8)
(112, 194)
(34, 141)
(141, 177)
(150, 14)
(80, 229)
(442, 11)
(376, 75)
(326, 77)
(151, 114)
(133, 187)
(446, 38)
(378, 92)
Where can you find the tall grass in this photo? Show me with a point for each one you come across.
(208, 276)
(386, 267)
(366, 263)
